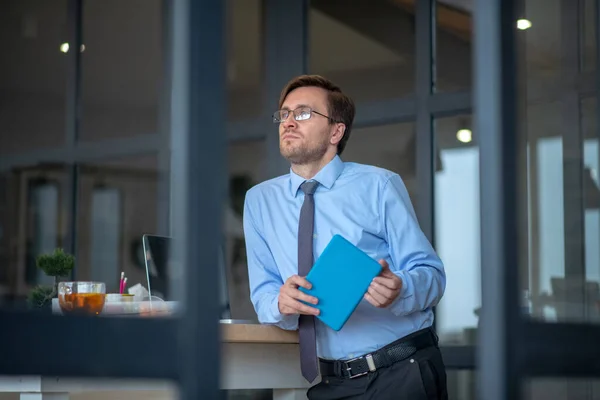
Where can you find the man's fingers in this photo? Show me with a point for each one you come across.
(371, 300)
(300, 281)
(378, 297)
(299, 295)
(382, 290)
(296, 307)
(384, 264)
(392, 283)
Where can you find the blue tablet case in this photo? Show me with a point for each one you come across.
(340, 278)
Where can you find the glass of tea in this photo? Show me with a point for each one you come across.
(84, 298)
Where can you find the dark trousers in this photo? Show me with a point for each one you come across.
(421, 376)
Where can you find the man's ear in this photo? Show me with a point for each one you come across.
(338, 133)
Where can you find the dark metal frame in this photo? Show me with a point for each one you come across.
(508, 343)
(513, 347)
(189, 351)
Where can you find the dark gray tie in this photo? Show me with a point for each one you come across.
(308, 342)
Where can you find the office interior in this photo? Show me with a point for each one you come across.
(89, 169)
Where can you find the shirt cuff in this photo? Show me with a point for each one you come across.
(287, 322)
(399, 305)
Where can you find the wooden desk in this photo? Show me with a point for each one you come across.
(253, 357)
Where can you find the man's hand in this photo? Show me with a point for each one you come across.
(384, 288)
(290, 296)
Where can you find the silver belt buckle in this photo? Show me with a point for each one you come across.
(370, 364)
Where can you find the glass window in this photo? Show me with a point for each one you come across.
(589, 35)
(245, 58)
(561, 388)
(122, 68)
(541, 35)
(33, 221)
(565, 262)
(32, 75)
(118, 203)
(106, 211)
(457, 228)
(387, 146)
(453, 44)
(246, 168)
(368, 51)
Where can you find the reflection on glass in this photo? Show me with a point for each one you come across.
(246, 168)
(32, 220)
(563, 292)
(369, 51)
(43, 218)
(118, 203)
(457, 228)
(560, 388)
(392, 147)
(122, 68)
(32, 75)
(245, 65)
(589, 35)
(453, 45)
(105, 250)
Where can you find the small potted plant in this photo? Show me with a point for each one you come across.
(57, 264)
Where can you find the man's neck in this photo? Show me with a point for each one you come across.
(309, 170)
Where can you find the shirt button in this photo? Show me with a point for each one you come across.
(315, 235)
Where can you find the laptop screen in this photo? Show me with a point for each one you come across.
(157, 250)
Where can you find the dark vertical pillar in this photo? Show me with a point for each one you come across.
(163, 195)
(74, 37)
(198, 135)
(572, 140)
(425, 50)
(496, 125)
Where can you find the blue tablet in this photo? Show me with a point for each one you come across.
(340, 278)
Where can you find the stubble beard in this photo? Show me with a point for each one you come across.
(302, 153)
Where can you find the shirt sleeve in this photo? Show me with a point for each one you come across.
(413, 258)
(264, 277)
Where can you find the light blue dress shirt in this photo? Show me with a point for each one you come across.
(371, 208)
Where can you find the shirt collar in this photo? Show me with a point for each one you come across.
(326, 176)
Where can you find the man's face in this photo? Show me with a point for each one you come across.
(306, 141)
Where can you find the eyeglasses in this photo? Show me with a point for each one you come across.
(300, 114)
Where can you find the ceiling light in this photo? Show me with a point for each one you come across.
(65, 47)
(464, 135)
(523, 24)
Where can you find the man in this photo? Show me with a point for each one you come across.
(386, 349)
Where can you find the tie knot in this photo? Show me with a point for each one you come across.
(309, 187)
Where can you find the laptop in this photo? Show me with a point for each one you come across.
(157, 253)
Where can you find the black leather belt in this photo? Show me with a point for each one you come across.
(384, 357)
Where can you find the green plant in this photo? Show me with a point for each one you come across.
(57, 264)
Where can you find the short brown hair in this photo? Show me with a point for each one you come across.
(340, 108)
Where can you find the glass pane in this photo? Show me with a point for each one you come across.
(388, 146)
(122, 68)
(565, 262)
(453, 44)
(462, 384)
(457, 228)
(367, 50)
(558, 388)
(589, 42)
(244, 59)
(247, 167)
(540, 33)
(32, 222)
(32, 75)
(117, 205)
